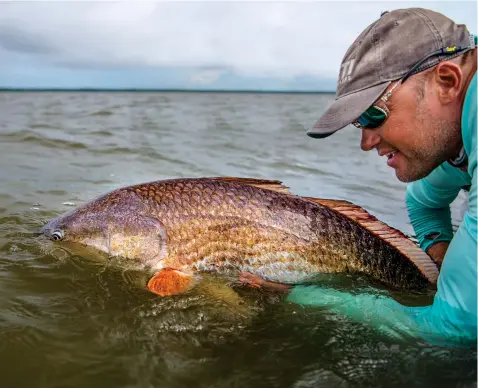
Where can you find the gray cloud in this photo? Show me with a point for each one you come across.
(19, 41)
(284, 39)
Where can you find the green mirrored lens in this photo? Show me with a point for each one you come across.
(373, 117)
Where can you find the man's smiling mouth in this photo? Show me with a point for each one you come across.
(391, 154)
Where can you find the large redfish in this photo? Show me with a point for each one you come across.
(181, 227)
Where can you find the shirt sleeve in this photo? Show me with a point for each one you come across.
(438, 323)
(428, 202)
(370, 306)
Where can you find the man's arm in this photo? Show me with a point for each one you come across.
(372, 306)
(428, 202)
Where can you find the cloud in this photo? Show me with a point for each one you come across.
(16, 40)
(270, 39)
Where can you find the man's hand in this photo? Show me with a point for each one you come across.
(257, 282)
(437, 252)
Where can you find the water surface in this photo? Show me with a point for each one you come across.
(70, 319)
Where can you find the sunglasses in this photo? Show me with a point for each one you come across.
(375, 115)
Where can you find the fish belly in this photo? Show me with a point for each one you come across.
(283, 267)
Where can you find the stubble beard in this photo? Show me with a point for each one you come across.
(442, 143)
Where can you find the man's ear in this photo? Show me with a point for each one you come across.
(448, 78)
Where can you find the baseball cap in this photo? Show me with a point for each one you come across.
(385, 51)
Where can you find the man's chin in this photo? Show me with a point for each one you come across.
(403, 178)
(410, 175)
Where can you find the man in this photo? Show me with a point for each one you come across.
(409, 83)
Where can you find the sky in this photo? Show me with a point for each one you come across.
(226, 45)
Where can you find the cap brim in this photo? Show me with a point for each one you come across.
(345, 110)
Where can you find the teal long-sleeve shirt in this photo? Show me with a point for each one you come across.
(453, 315)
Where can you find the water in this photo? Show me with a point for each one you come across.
(70, 320)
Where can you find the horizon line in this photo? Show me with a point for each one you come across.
(168, 90)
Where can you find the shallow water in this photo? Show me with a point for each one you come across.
(68, 319)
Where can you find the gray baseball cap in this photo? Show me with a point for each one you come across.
(385, 51)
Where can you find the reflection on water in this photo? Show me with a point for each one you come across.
(70, 318)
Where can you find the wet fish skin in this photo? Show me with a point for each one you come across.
(227, 225)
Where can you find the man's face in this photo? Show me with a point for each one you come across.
(418, 134)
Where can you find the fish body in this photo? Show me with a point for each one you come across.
(233, 225)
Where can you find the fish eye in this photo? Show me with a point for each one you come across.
(57, 235)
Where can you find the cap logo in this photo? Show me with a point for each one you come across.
(346, 70)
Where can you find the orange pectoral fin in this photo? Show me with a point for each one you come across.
(170, 282)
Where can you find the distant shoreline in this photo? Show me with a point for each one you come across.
(164, 90)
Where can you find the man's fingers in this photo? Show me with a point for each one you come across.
(250, 279)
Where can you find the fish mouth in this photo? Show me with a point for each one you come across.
(46, 229)
(52, 231)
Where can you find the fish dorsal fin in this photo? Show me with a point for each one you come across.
(391, 235)
(272, 185)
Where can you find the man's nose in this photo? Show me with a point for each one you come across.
(370, 139)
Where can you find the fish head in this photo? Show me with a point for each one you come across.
(118, 232)
(88, 228)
